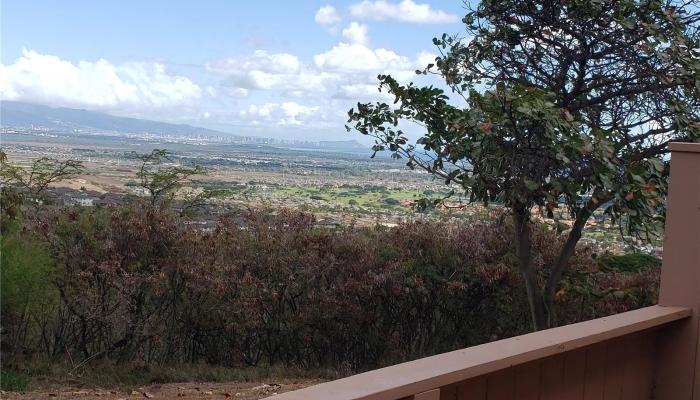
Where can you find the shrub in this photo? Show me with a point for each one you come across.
(28, 298)
(138, 287)
(634, 262)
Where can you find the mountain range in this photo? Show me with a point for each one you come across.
(15, 114)
(18, 114)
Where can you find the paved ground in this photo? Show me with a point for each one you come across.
(224, 390)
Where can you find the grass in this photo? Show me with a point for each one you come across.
(12, 381)
(351, 195)
(632, 262)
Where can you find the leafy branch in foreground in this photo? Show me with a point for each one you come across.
(553, 102)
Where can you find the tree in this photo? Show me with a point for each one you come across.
(162, 180)
(34, 180)
(553, 102)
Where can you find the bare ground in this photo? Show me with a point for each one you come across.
(223, 390)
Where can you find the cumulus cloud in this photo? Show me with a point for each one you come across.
(356, 33)
(47, 79)
(325, 84)
(260, 60)
(285, 113)
(405, 11)
(327, 15)
(361, 91)
(347, 58)
(329, 73)
(291, 82)
(349, 67)
(270, 71)
(424, 58)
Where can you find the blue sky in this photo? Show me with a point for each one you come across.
(286, 68)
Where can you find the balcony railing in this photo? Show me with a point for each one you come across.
(650, 353)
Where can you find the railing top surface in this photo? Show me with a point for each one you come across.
(684, 147)
(417, 376)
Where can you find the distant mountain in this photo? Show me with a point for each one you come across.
(343, 145)
(17, 114)
(24, 115)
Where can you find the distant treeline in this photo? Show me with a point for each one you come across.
(137, 285)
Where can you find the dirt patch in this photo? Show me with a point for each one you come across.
(223, 390)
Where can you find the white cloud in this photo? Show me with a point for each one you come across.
(327, 15)
(262, 111)
(47, 79)
(363, 91)
(211, 91)
(286, 113)
(356, 33)
(260, 60)
(405, 11)
(327, 84)
(270, 71)
(344, 71)
(424, 58)
(294, 111)
(238, 92)
(352, 58)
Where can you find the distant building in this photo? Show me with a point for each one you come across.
(79, 201)
(88, 202)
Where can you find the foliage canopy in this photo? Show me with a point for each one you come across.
(553, 102)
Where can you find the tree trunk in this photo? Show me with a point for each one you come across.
(566, 253)
(523, 242)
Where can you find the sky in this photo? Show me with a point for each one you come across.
(288, 69)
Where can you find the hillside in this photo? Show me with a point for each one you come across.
(17, 114)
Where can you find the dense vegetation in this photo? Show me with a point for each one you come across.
(138, 285)
(553, 103)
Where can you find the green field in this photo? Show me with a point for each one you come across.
(368, 197)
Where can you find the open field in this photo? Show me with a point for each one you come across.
(326, 182)
(337, 187)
